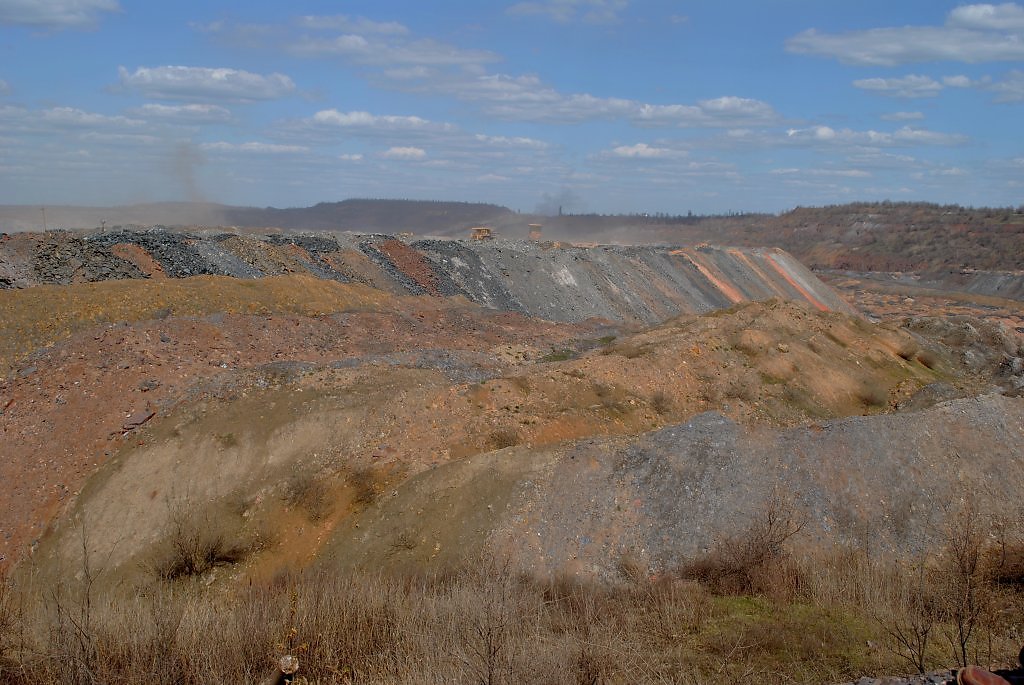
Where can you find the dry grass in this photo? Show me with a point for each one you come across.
(751, 611)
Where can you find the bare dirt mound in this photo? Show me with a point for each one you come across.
(285, 454)
(67, 408)
(667, 497)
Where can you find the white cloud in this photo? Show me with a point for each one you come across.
(393, 57)
(957, 81)
(903, 116)
(565, 11)
(390, 51)
(121, 138)
(645, 151)
(254, 147)
(76, 118)
(905, 136)
(4, 88)
(971, 33)
(406, 153)
(351, 157)
(360, 25)
(528, 98)
(911, 86)
(55, 14)
(504, 141)
(822, 173)
(1005, 17)
(367, 121)
(202, 83)
(193, 113)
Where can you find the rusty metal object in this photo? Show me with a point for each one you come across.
(976, 675)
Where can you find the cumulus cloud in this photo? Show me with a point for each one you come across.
(1007, 16)
(903, 116)
(971, 33)
(566, 11)
(912, 86)
(192, 113)
(254, 147)
(55, 14)
(205, 83)
(405, 153)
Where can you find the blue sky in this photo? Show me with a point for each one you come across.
(595, 105)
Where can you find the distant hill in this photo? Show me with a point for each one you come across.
(883, 236)
(364, 215)
(374, 216)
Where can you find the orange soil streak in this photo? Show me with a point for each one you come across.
(789, 279)
(757, 270)
(719, 282)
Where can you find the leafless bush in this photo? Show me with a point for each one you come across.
(755, 561)
(501, 438)
(366, 483)
(966, 589)
(308, 491)
(196, 542)
(661, 402)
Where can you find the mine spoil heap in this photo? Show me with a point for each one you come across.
(559, 282)
(353, 402)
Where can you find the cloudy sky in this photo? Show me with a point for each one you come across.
(597, 105)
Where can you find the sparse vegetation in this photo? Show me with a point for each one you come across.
(503, 437)
(366, 483)
(197, 542)
(661, 402)
(557, 356)
(307, 490)
(486, 623)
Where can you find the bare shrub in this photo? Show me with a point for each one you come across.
(755, 561)
(366, 483)
(661, 402)
(309, 492)
(872, 395)
(500, 438)
(965, 587)
(195, 542)
(928, 359)
(911, 618)
(907, 350)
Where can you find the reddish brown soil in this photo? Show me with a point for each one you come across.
(65, 410)
(412, 264)
(140, 258)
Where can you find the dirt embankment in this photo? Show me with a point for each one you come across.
(353, 427)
